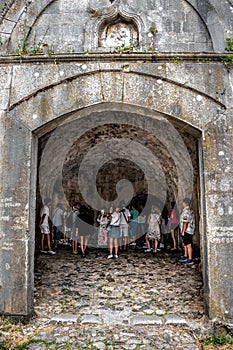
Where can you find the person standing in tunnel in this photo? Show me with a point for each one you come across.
(133, 224)
(103, 221)
(114, 232)
(72, 218)
(187, 227)
(124, 226)
(153, 234)
(85, 228)
(44, 227)
(58, 224)
(174, 223)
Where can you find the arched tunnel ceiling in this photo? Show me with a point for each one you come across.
(133, 164)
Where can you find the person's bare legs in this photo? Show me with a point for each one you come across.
(148, 243)
(48, 241)
(156, 244)
(82, 244)
(121, 242)
(116, 246)
(173, 238)
(189, 251)
(85, 241)
(42, 242)
(126, 242)
(75, 246)
(185, 251)
(110, 246)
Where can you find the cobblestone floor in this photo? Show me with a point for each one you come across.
(139, 301)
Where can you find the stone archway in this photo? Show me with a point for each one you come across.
(32, 114)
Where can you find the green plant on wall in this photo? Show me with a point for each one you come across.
(176, 59)
(36, 48)
(229, 44)
(22, 47)
(125, 49)
(228, 59)
(153, 30)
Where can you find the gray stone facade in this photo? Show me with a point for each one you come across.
(67, 62)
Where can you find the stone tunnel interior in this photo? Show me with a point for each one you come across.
(140, 142)
(67, 283)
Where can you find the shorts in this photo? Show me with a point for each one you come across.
(124, 230)
(58, 234)
(114, 232)
(187, 239)
(74, 234)
(44, 229)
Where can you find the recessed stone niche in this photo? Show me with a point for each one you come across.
(119, 33)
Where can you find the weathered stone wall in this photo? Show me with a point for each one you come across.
(74, 26)
(75, 94)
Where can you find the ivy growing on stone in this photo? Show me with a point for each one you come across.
(229, 44)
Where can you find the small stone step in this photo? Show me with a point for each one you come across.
(64, 318)
(146, 320)
(175, 320)
(91, 319)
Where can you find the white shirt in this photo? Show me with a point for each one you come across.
(45, 210)
(124, 217)
(58, 217)
(187, 215)
(141, 219)
(115, 219)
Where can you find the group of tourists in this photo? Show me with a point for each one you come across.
(118, 228)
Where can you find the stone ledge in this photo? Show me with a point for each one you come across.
(172, 320)
(176, 57)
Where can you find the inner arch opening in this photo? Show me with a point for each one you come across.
(117, 145)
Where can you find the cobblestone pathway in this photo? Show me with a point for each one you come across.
(139, 301)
